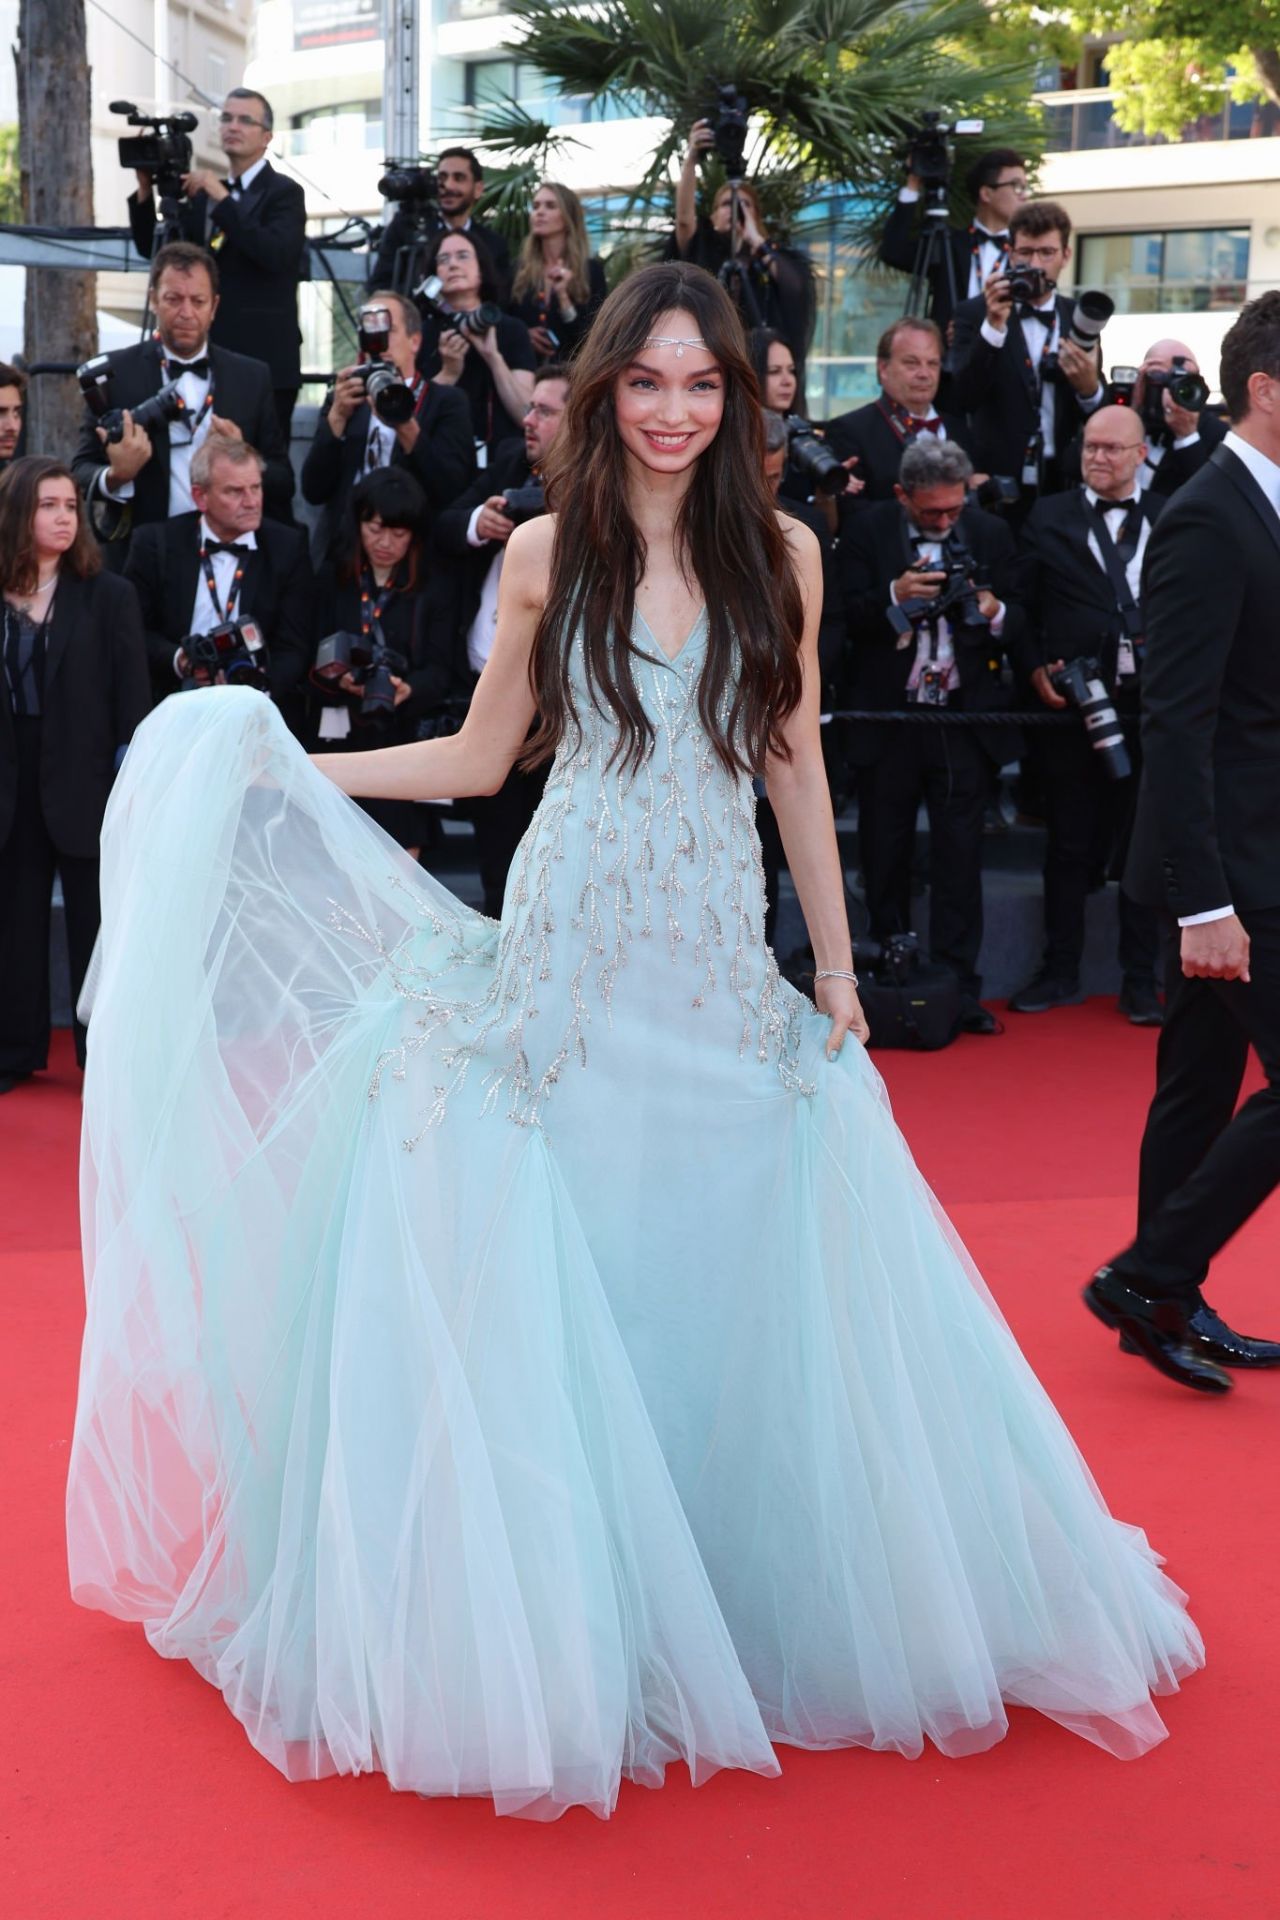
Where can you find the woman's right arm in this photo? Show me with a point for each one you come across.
(687, 185)
(478, 759)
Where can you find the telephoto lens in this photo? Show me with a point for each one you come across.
(1081, 682)
(1092, 311)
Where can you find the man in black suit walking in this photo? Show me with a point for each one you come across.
(1081, 575)
(1206, 847)
(145, 477)
(255, 221)
(997, 187)
(894, 560)
(1025, 386)
(435, 442)
(224, 562)
(909, 368)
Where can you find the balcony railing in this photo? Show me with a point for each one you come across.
(1083, 120)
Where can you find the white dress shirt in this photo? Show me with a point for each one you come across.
(1267, 474)
(1036, 345)
(194, 389)
(236, 187)
(1156, 453)
(1115, 513)
(928, 558)
(204, 615)
(480, 634)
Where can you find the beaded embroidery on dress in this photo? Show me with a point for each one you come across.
(646, 1409)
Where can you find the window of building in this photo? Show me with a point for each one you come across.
(493, 83)
(354, 125)
(215, 73)
(1203, 270)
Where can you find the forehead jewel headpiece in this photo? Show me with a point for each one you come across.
(668, 340)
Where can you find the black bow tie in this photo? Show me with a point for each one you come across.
(199, 367)
(1045, 315)
(226, 546)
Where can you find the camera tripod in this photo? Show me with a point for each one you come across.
(735, 275)
(932, 252)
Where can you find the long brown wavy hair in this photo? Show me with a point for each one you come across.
(531, 269)
(19, 498)
(727, 538)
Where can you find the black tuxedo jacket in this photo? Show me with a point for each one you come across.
(867, 431)
(96, 690)
(1206, 834)
(1174, 470)
(874, 551)
(998, 390)
(242, 393)
(277, 590)
(259, 242)
(1068, 598)
(443, 461)
(458, 570)
(898, 243)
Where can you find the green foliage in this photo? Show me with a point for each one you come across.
(834, 86)
(10, 179)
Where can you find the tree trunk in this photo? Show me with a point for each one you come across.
(56, 166)
(1267, 61)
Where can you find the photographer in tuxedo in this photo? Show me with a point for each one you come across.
(255, 221)
(224, 562)
(146, 477)
(471, 543)
(1081, 587)
(1025, 386)
(73, 686)
(434, 444)
(1205, 847)
(997, 186)
(896, 557)
(909, 369)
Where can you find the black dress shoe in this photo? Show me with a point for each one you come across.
(1045, 991)
(975, 1018)
(1160, 1330)
(1220, 1343)
(1141, 1005)
(8, 1081)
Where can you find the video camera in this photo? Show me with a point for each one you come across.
(810, 455)
(728, 122)
(166, 152)
(929, 157)
(409, 183)
(234, 652)
(431, 292)
(1080, 683)
(150, 414)
(371, 663)
(387, 391)
(525, 503)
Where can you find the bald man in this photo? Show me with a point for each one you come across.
(1179, 441)
(1082, 582)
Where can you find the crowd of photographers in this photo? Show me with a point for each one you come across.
(983, 522)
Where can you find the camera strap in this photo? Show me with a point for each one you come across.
(373, 606)
(1113, 561)
(206, 562)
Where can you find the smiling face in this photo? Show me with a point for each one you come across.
(670, 401)
(56, 520)
(457, 187)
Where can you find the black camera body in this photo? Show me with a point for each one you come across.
(1028, 285)
(1080, 682)
(956, 599)
(387, 391)
(151, 414)
(164, 151)
(1185, 388)
(525, 503)
(929, 156)
(810, 455)
(431, 293)
(234, 651)
(409, 183)
(728, 118)
(371, 663)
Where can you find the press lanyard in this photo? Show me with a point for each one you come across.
(233, 597)
(371, 609)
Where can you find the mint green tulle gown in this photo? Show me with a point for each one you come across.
(516, 1357)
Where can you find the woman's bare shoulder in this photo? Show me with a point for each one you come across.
(802, 540)
(527, 565)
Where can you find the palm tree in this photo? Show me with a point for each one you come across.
(834, 87)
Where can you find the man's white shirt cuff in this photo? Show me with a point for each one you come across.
(1203, 919)
(993, 336)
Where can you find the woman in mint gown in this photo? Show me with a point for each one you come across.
(522, 1354)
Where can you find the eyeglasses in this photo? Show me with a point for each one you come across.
(1032, 254)
(240, 120)
(1019, 186)
(540, 412)
(1108, 449)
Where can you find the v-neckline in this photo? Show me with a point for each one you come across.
(683, 648)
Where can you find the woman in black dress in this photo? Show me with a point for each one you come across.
(372, 591)
(491, 363)
(74, 686)
(559, 286)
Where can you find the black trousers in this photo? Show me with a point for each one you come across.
(500, 820)
(28, 862)
(947, 769)
(1089, 819)
(1204, 1168)
(286, 399)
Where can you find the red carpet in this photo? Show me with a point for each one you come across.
(133, 1795)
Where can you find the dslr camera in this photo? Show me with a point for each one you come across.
(1184, 388)
(1028, 285)
(151, 414)
(431, 292)
(371, 664)
(728, 118)
(234, 653)
(387, 392)
(1081, 683)
(164, 151)
(810, 455)
(929, 157)
(524, 503)
(956, 600)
